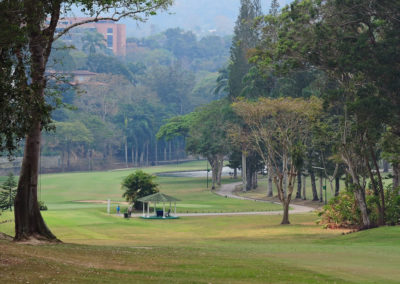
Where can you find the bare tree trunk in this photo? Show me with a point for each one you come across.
(313, 186)
(156, 156)
(285, 219)
(147, 154)
(359, 194)
(249, 179)
(320, 188)
(385, 166)
(28, 220)
(62, 160)
(379, 191)
(304, 187)
(137, 155)
(165, 152)
(235, 173)
(68, 156)
(133, 156)
(270, 192)
(244, 171)
(396, 175)
(298, 194)
(141, 162)
(170, 150)
(337, 185)
(255, 182)
(126, 152)
(220, 167)
(214, 170)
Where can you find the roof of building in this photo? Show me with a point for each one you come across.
(158, 197)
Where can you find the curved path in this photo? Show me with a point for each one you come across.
(227, 190)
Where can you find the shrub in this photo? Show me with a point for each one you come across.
(341, 212)
(42, 206)
(392, 202)
(137, 185)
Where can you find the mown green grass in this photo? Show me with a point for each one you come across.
(103, 248)
(242, 249)
(62, 191)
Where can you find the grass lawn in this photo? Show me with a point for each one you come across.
(62, 191)
(243, 249)
(102, 248)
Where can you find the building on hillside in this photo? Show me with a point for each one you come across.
(114, 34)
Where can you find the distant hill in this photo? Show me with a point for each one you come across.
(200, 16)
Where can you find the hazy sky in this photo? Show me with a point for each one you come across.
(200, 16)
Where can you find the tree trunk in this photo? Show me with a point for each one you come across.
(156, 151)
(235, 173)
(244, 171)
(170, 150)
(214, 170)
(385, 166)
(137, 155)
(359, 194)
(321, 180)
(270, 192)
(285, 219)
(133, 156)
(141, 161)
(298, 193)
(165, 152)
(313, 186)
(304, 187)
(126, 152)
(220, 167)
(337, 185)
(28, 220)
(147, 154)
(249, 179)
(90, 153)
(62, 160)
(68, 156)
(381, 190)
(396, 175)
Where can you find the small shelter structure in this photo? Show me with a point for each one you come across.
(159, 198)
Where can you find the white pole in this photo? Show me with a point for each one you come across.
(163, 213)
(175, 208)
(143, 208)
(108, 206)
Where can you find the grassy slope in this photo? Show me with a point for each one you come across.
(102, 248)
(252, 249)
(59, 191)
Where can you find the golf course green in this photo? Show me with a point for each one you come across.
(104, 248)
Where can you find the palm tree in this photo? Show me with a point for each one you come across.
(93, 41)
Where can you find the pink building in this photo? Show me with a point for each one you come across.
(114, 34)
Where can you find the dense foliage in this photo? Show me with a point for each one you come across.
(137, 185)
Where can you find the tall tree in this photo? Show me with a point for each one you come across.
(208, 136)
(29, 19)
(245, 38)
(278, 129)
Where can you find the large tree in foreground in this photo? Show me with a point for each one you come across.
(34, 23)
(278, 129)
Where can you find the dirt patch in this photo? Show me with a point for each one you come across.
(5, 237)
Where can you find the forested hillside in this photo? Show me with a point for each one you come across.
(114, 106)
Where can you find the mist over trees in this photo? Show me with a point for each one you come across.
(116, 113)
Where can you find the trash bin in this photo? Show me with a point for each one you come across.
(126, 215)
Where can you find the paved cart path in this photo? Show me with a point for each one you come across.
(227, 190)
